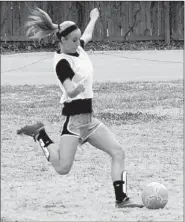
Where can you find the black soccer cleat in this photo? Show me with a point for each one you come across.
(34, 131)
(31, 130)
(127, 203)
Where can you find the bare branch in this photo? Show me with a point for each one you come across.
(135, 23)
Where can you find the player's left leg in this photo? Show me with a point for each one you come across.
(103, 139)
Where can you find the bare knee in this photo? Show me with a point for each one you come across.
(118, 153)
(63, 170)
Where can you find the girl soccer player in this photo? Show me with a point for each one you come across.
(74, 72)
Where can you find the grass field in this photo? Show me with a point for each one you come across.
(146, 117)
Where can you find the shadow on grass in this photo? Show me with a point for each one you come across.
(128, 117)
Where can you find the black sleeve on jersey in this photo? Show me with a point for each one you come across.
(82, 44)
(64, 70)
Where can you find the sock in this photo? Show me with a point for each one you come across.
(118, 187)
(44, 142)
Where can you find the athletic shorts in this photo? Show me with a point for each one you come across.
(81, 126)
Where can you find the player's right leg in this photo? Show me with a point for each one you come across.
(61, 157)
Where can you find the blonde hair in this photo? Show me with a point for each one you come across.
(40, 25)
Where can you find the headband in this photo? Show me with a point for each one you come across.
(66, 31)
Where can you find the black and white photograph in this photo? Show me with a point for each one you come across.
(92, 110)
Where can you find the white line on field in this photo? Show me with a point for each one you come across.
(10, 70)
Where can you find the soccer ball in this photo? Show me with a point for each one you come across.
(155, 196)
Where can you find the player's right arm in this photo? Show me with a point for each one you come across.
(71, 90)
(65, 75)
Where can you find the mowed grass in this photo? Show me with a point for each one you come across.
(146, 118)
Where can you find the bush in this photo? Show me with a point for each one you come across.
(18, 47)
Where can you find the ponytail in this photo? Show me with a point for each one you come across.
(40, 24)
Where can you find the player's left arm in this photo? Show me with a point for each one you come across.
(87, 35)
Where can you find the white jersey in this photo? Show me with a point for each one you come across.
(83, 69)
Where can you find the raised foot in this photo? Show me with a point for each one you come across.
(31, 130)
